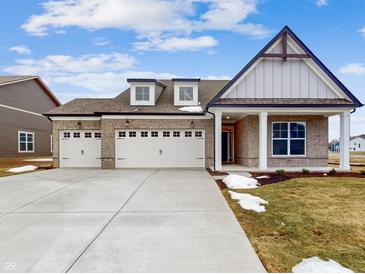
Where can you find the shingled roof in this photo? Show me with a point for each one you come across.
(121, 104)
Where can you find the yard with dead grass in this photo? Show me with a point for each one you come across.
(307, 217)
(7, 163)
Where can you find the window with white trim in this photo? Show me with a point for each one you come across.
(186, 93)
(121, 134)
(166, 134)
(97, 135)
(76, 134)
(132, 134)
(198, 134)
(176, 134)
(288, 138)
(142, 93)
(25, 141)
(66, 135)
(144, 133)
(154, 133)
(88, 135)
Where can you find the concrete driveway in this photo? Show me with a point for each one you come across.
(133, 220)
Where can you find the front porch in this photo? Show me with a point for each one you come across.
(265, 141)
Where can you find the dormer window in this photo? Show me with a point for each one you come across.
(186, 93)
(142, 93)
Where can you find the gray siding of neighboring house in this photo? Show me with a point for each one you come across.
(28, 96)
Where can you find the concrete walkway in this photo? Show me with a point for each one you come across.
(90, 220)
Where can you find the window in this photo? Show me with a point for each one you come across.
(359, 145)
(144, 134)
(198, 134)
(121, 134)
(288, 138)
(142, 93)
(176, 134)
(66, 135)
(132, 134)
(26, 141)
(186, 93)
(76, 134)
(154, 134)
(88, 135)
(166, 134)
(188, 134)
(97, 135)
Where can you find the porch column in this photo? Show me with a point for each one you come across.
(263, 140)
(218, 140)
(345, 141)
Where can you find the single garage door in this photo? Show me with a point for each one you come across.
(160, 148)
(80, 148)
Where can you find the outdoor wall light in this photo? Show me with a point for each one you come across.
(127, 123)
(192, 124)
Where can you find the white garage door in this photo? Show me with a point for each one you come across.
(80, 148)
(160, 148)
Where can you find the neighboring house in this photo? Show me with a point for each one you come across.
(357, 143)
(334, 146)
(272, 114)
(24, 131)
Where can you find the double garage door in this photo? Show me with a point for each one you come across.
(135, 148)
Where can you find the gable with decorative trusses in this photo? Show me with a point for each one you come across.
(285, 69)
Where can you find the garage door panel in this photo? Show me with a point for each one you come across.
(80, 148)
(160, 148)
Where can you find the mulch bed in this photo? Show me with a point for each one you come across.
(276, 178)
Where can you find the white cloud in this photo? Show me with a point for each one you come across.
(59, 64)
(175, 43)
(101, 41)
(20, 50)
(353, 68)
(362, 31)
(321, 3)
(149, 19)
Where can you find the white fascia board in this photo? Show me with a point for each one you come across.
(74, 118)
(158, 117)
(282, 111)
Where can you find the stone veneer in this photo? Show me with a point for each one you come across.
(109, 126)
(247, 142)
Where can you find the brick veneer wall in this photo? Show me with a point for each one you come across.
(247, 138)
(109, 126)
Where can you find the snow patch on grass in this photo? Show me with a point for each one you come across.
(248, 201)
(39, 160)
(192, 109)
(317, 265)
(22, 169)
(234, 181)
(263, 177)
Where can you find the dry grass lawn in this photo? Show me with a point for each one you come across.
(307, 217)
(6, 163)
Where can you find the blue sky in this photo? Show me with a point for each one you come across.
(88, 48)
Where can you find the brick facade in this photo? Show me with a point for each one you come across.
(247, 142)
(246, 138)
(109, 126)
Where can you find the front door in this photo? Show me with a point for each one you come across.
(228, 144)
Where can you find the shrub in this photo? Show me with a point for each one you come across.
(362, 172)
(306, 171)
(280, 171)
(332, 171)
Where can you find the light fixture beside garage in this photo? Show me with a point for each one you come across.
(78, 124)
(127, 123)
(192, 124)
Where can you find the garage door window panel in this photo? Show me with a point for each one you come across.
(76, 134)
